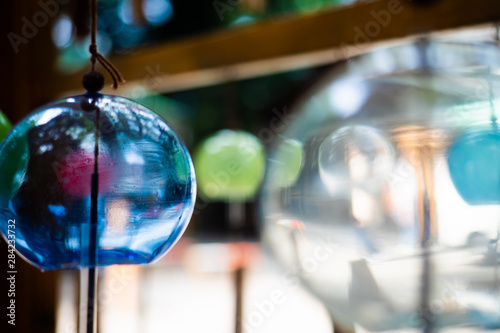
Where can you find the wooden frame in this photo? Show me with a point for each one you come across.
(286, 43)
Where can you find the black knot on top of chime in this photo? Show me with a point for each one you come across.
(93, 81)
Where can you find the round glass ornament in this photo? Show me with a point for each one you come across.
(291, 155)
(474, 162)
(147, 183)
(393, 217)
(4, 125)
(230, 165)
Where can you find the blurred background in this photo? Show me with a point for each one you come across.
(204, 66)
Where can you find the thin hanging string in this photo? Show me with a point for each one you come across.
(96, 56)
(496, 38)
(497, 32)
(493, 120)
(493, 117)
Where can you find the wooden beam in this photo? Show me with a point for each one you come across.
(287, 43)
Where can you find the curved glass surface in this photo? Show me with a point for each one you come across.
(392, 219)
(147, 184)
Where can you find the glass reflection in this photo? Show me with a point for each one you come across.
(393, 219)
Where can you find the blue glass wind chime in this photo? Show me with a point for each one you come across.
(67, 164)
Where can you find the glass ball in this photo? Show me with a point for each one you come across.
(290, 155)
(4, 125)
(146, 188)
(354, 156)
(474, 161)
(392, 219)
(230, 165)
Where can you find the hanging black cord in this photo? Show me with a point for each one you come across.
(96, 56)
(92, 274)
(427, 319)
